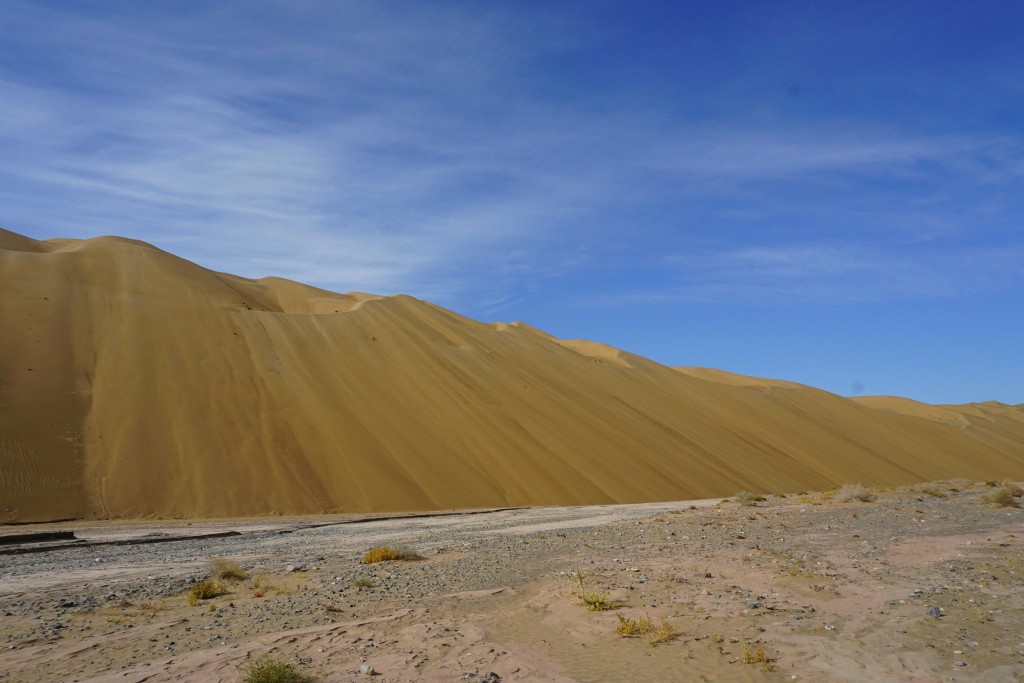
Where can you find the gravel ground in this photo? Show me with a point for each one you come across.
(913, 586)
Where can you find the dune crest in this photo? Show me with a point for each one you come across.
(136, 383)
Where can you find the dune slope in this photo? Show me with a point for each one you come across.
(135, 383)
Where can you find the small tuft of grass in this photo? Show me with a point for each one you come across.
(363, 583)
(270, 669)
(748, 499)
(662, 634)
(385, 553)
(260, 587)
(593, 601)
(1013, 488)
(631, 628)
(854, 492)
(151, 606)
(227, 570)
(1001, 496)
(205, 590)
(757, 655)
(930, 489)
(634, 628)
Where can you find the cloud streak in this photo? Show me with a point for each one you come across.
(360, 147)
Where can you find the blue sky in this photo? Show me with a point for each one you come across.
(828, 192)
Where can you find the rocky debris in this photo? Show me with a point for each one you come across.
(489, 677)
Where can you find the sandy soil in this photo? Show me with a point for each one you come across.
(921, 585)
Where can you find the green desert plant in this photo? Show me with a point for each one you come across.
(270, 669)
(363, 583)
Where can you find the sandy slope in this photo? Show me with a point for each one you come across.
(134, 383)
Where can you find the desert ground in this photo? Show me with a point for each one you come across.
(924, 583)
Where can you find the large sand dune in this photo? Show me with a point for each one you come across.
(135, 383)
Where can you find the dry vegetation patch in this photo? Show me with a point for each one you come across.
(854, 492)
(227, 570)
(205, 590)
(1005, 496)
(634, 628)
(270, 669)
(384, 553)
(592, 600)
(748, 499)
(757, 655)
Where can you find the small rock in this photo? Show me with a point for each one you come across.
(366, 670)
(295, 567)
(933, 612)
(960, 663)
(755, 605)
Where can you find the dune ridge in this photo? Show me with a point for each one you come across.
(135, 383)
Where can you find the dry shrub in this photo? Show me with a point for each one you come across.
(227, 570)
(634, 628)
(269, 669)
(260, 587)
(663, 634)
(593, 601)
(630, 628)
(1001, 496)
(1013, 488)
(384, 553)
(748, 499)
(757, 655)
(854, 492)
(205, 590)
(930, 489)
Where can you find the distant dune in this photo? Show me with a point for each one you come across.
(134, 383)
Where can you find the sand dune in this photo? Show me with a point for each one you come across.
(135, 383)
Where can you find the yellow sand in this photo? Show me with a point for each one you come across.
(135, 383)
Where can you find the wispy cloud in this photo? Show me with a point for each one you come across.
(355, 146)
(805, 273)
